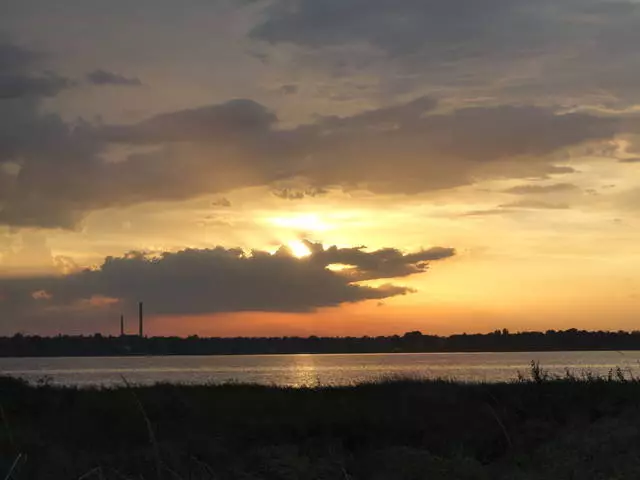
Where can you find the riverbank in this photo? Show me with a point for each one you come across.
(411, 342)
(534, 428)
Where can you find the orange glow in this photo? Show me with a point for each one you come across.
(308, 222)
(370, 318)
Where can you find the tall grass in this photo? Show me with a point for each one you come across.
(397, 428)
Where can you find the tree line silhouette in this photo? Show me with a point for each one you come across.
(497, 341)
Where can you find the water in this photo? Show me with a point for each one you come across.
(308, 370)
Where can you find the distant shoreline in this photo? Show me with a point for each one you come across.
(499, 341)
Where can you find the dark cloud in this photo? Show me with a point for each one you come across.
(20, 86)
(52, 158)
(381, 119)
(408, 148)
(226, 121)
(103, 77)
(542, 189)
(555, 47)
(384, 263)
(220, 280)
(29, 139)
(398, 27)
(64, 169)
(14, 58)
(20, 77)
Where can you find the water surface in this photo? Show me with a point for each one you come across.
(309, 369)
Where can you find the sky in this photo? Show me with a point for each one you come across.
(305, 167)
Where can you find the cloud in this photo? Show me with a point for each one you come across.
(408, 148)
(289, 89)
(512, 207)
(630, 160)
(298, 194)
(542, 189)
(535, 204)
(557, 48)
(20, 86)
(19, 77)
(103, 77)
(392, 26)
(221, 202)
(231, 120)
(14, 58)
(406, 131)
(484, 213)
(209, 281)
(65, 171)
(384, 263)
(50, 157)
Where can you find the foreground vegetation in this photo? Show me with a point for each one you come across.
(533, 428)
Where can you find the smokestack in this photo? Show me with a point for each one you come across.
(141, 319)
(121, 325)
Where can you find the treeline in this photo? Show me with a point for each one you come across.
(497, 341)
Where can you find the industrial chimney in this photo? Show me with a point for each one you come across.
(121, 325)
(140, 319)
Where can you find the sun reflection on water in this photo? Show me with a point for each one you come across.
(304, 371)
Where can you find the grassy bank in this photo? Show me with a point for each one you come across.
(535, 428)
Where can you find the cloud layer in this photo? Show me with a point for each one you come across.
(65, 171)
(509, 47)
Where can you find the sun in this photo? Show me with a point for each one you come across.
(299, 248)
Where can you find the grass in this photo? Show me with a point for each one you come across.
(537, 427)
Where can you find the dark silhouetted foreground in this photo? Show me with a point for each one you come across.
(498, 341)
(538, 428)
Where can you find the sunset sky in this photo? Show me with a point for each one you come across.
(327, 167)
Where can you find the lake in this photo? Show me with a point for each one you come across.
(309, 369)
